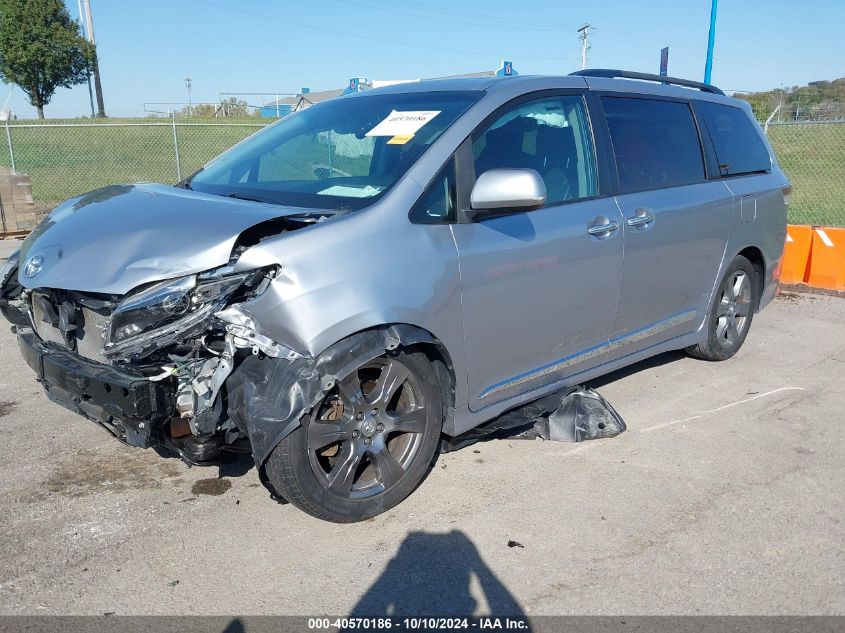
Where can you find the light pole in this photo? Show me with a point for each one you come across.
(711, 40)
(190, 105)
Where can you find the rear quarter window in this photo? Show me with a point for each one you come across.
(739, 148)
(655, 143)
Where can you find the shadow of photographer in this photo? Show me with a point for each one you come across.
(437, 575)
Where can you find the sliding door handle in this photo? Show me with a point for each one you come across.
(605, 228)
(642, 218)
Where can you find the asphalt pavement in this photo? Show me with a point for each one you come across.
(724, 496)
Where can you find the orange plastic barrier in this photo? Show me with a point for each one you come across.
(826, 266)
(796, 254)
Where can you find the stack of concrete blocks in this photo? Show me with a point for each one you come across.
(17, 211)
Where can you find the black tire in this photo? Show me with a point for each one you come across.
(341, 464)
(731, 312)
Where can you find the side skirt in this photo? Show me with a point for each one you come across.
(466, 419)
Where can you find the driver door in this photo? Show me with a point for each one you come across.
(540, 287)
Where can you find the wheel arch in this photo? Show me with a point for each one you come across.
(414, 336)
(758, 261)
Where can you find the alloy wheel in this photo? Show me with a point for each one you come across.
(733, 309)
(368, 430)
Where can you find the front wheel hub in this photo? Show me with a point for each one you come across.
(368, 428)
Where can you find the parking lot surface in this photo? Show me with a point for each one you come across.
(724, 496)
(7, 247)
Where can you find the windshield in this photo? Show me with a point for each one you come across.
(340, 154)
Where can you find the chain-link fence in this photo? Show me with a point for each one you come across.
(66, 159)
(813, 156)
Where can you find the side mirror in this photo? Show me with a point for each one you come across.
(499, 191)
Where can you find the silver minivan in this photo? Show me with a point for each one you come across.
(339, 291)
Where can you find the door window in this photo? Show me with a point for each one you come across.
(655, 143)
(551, 136)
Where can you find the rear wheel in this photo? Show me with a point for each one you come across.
(367, 445)
(731, 313)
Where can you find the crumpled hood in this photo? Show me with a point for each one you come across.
(116, 238)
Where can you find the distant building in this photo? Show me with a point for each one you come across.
(288, 105)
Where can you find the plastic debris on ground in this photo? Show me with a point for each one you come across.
(572, 415)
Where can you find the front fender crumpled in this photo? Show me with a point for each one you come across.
(268, 396)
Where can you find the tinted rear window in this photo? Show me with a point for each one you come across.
(738, 146)
(655, 142)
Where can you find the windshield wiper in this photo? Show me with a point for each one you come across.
(240, 196)
(186, 183)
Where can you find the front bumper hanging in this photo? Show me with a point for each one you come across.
(126, 403)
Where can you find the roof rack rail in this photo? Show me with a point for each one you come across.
(629, 74)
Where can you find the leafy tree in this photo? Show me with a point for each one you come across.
(41, 49)
(228, 107)
(818, 99)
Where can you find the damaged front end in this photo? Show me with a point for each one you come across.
(151, 366)
(182, 364)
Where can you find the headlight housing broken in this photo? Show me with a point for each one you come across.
(161, 314)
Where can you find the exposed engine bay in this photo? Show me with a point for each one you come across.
(155, 366)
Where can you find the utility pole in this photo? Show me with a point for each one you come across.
(711, 40)
(90, 88)
(98, 88)
(585, 46)
(190, 105)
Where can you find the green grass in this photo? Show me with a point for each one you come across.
(66, 161)
(813, 156)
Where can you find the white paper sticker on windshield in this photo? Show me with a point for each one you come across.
(350, 192)
(403, 123)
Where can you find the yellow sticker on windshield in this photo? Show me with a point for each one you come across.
(400, 139)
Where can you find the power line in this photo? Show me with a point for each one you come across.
(407, 5)
(381, 40)
(437, 14)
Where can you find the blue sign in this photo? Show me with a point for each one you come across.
(354, 86)
(506, 70)
(664, 61)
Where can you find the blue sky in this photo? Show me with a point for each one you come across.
(148, 47)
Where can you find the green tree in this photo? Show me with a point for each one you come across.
(41, 49)
(228, 107)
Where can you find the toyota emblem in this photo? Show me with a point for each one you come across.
(33, 265)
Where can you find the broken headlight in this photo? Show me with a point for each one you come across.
(160, 314)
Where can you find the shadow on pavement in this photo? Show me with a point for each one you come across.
(649, 363)
(431, 575)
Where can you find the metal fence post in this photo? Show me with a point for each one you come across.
(11, 149)
(769, 120)
(176, 148)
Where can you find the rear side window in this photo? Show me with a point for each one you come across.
(739, 148)
(655, 143)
